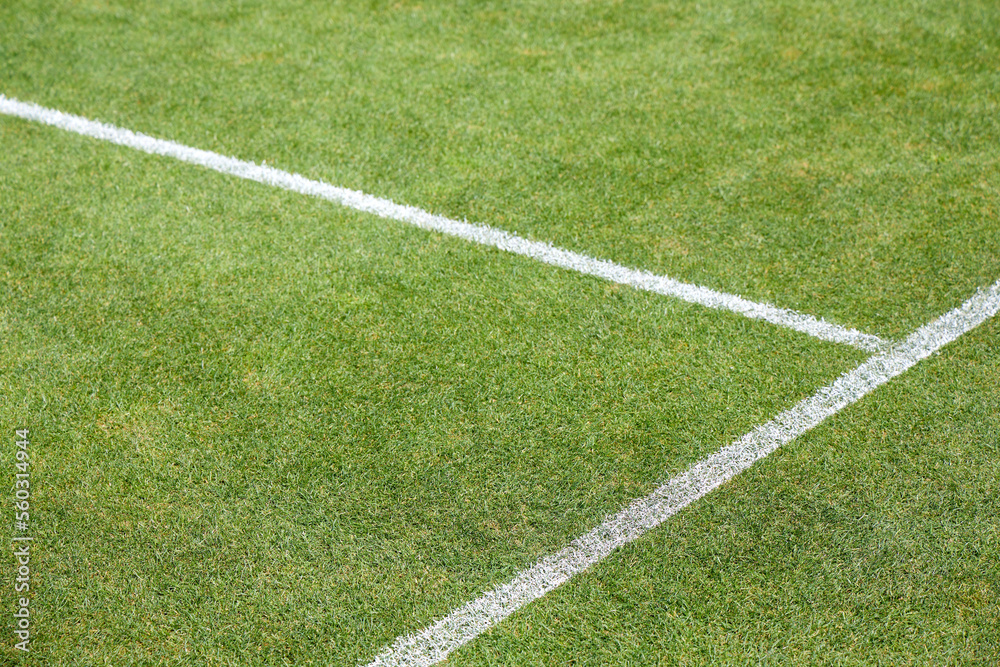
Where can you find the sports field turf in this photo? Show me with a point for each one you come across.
(267, 429)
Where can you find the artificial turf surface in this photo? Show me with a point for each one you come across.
(267, 430)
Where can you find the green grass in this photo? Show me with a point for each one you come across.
(252, 406)
(871, 541)
(816, 155)
(267, 430)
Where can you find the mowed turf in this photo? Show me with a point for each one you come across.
(267, 430)
(838, 159)
(873, 540)
(264, 424)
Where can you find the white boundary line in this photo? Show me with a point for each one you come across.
(476, 233)
(434, 643)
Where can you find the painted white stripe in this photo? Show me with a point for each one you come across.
(434, 643)
(476, 233)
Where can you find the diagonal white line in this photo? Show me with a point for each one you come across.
(476, 233)
(435, 642)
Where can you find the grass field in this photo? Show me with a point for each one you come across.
(270, 430)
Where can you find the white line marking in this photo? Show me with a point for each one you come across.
(435, 642)
(482, 234)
